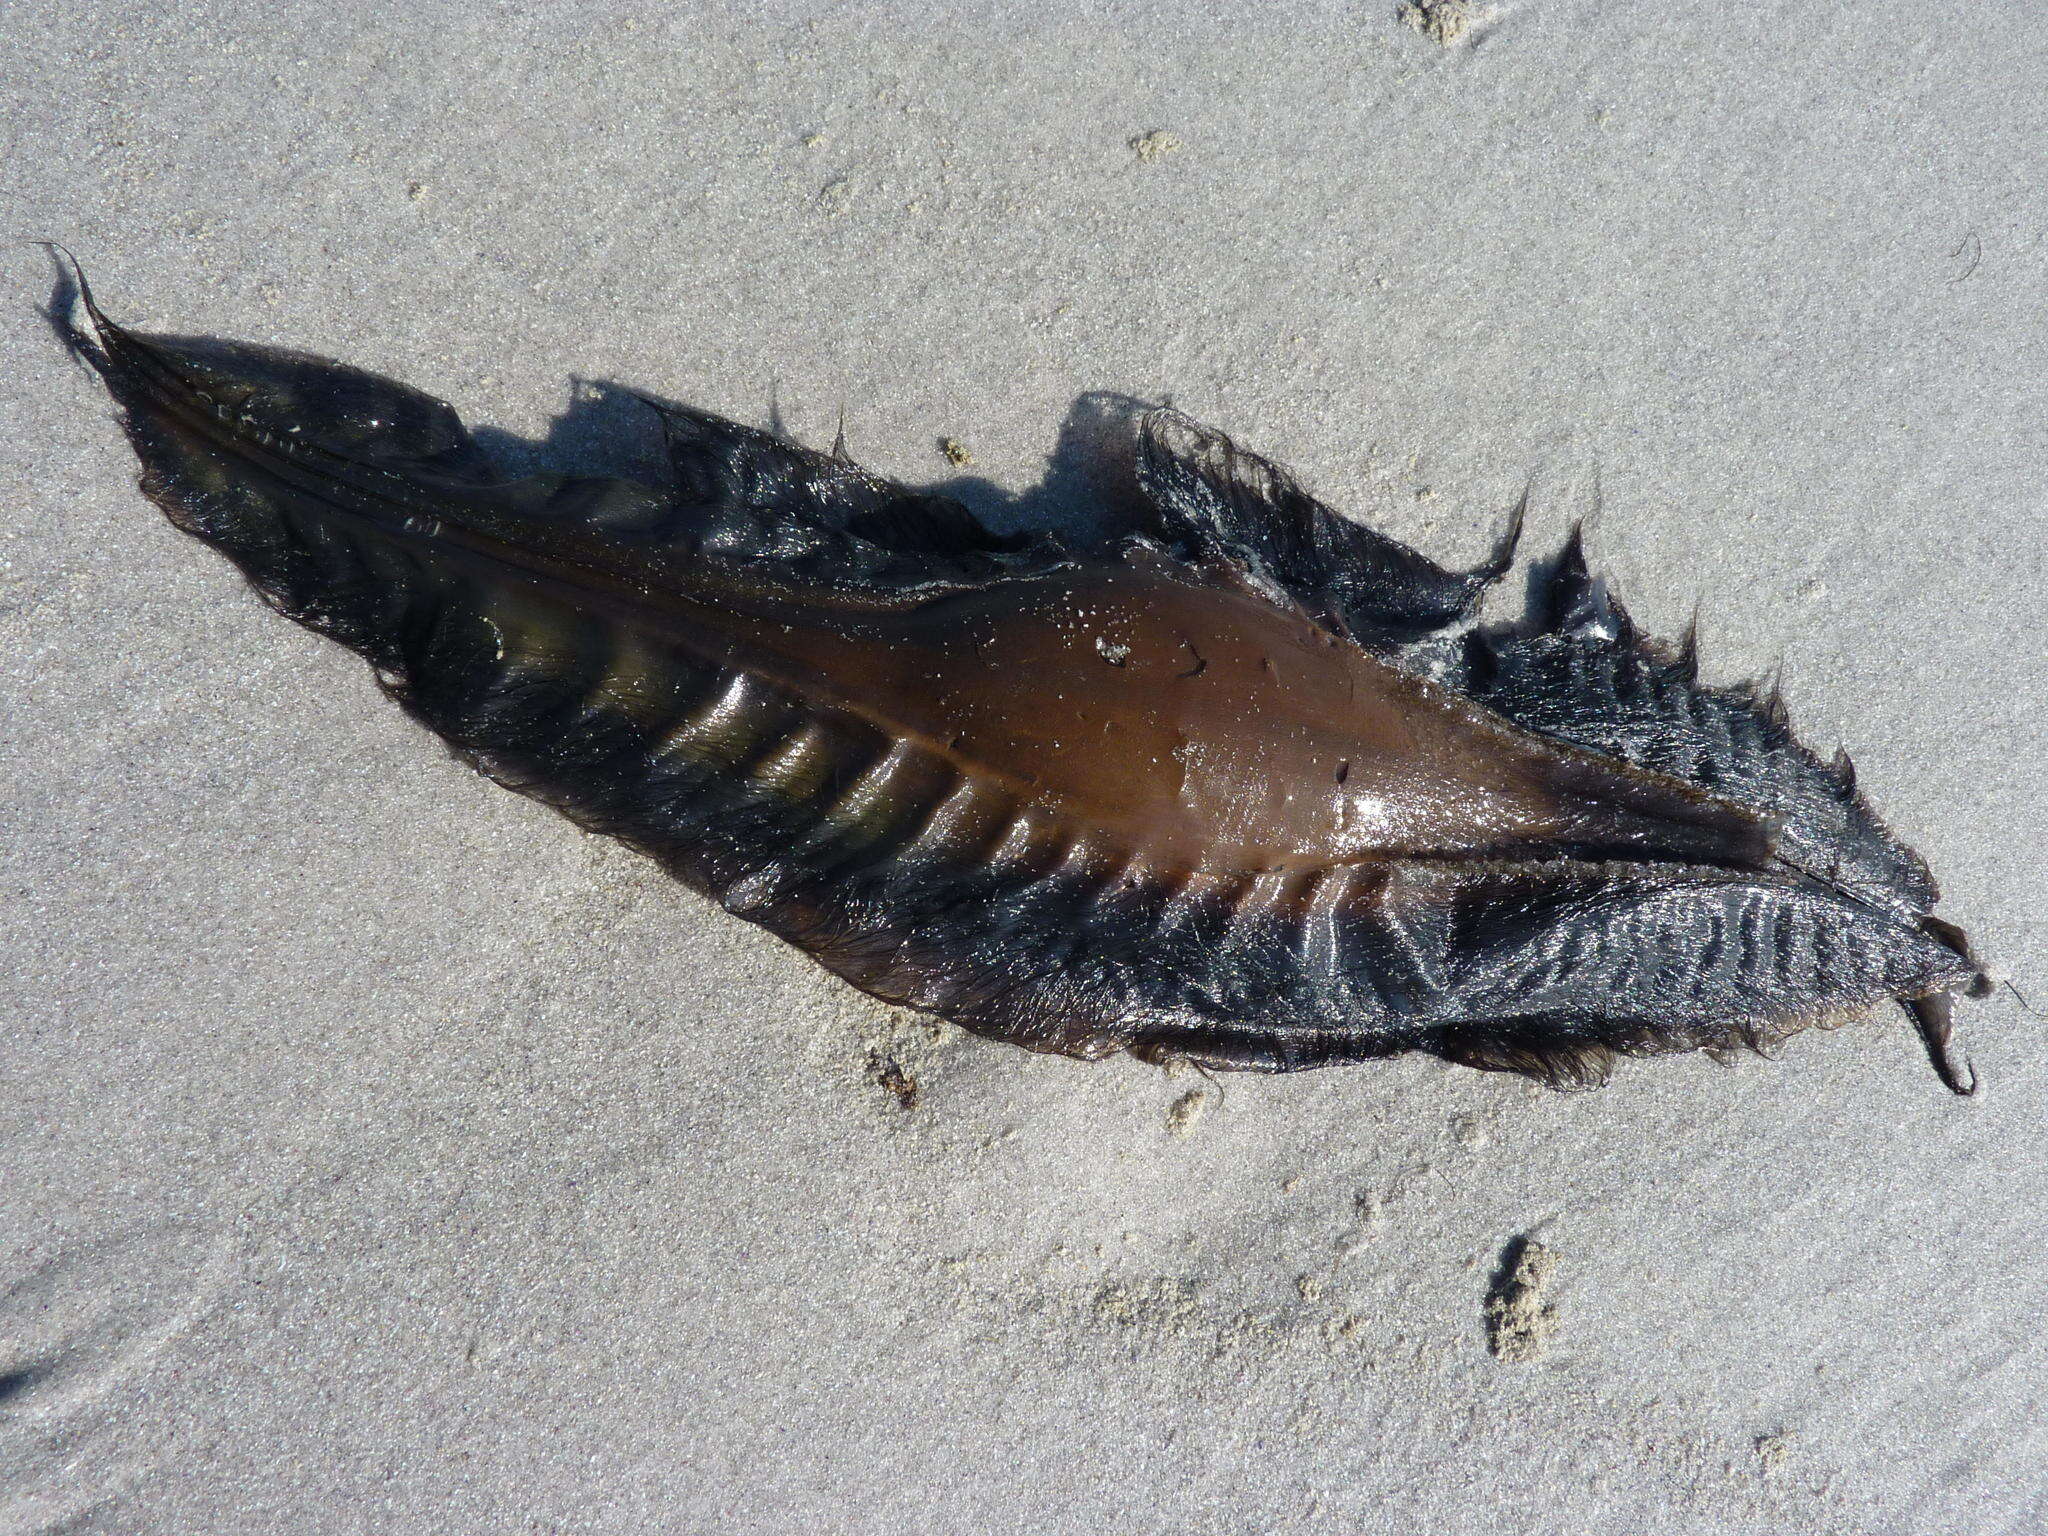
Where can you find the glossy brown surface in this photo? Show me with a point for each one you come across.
(1202, 726)
(1199, 795)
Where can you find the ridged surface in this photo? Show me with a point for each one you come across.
(1180, 797)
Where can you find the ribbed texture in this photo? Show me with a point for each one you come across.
(524, 622)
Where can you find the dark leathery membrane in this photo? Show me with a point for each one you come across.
(1190, 795)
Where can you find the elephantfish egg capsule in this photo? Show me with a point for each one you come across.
(1187, 794)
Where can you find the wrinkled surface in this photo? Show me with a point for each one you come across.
(384, 1154)
(1187, 794)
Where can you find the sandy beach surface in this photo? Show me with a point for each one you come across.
(378, 1153)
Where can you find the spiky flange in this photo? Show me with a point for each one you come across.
(1188, 796)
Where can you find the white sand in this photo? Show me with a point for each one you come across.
(379, 1154)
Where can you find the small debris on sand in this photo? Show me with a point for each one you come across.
(885, 1071)
(1156, 145)
(1773, 1451)
(836, 198)
(1187, 1111)
(1163, 1306)
(1519, 1322)
(1441, 21)
(955, 451)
